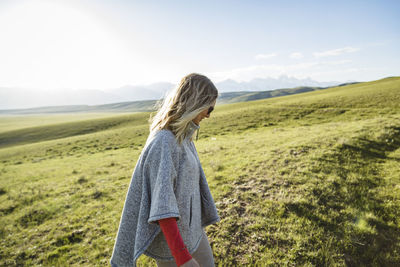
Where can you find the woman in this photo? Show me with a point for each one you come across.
(168, 202)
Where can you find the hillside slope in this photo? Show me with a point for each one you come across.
(150, 105)
(352, 96)
(308, 179)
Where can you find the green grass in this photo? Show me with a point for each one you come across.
(302, 180)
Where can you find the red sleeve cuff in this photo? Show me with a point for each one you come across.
(174, 239)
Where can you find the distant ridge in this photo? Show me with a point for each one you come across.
(26, 98)
(149, 105)
(244, 96)
(130, 106)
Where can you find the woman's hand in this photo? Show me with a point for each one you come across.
(191, 263)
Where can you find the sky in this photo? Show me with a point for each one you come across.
(108, 44)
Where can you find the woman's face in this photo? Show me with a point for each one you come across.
(203, 114)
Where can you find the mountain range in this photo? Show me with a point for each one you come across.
(23, 98)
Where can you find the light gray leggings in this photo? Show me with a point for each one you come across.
(203, 255)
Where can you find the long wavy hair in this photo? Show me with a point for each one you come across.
(181, 105)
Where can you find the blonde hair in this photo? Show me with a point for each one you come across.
(194, 93)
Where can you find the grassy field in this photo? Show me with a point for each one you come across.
(302, 180)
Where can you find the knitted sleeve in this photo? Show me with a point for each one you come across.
(160, 172)
(174, 240)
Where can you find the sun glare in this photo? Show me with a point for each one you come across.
(48, 44)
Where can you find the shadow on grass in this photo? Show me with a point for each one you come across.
(347, 207)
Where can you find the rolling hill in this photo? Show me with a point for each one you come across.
(306, 179)
(150, 105)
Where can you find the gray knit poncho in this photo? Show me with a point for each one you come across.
(168, 181)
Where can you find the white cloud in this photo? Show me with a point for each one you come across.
(336, 52)
(338, 74)
(348, 70)
(302, 69)
(337, 62)
(265, 56)
(296, 55)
